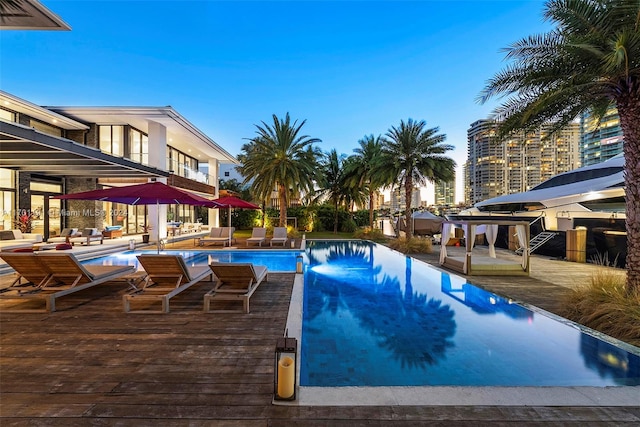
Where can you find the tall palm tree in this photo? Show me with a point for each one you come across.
(362, 171)
(280, 157)
(412, 155)
(331, 183)
(355, 194)
(589, 62)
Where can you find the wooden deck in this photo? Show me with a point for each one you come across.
(92, 364)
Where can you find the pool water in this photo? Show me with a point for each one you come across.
(374, 317)
(275, 261)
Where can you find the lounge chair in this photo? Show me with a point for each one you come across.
(64, 237)
(167, 276)
(279, 235)
(222, 235)
(234, 281)
(258, 235)
(65, 276)
(88, 235)
(27, 267)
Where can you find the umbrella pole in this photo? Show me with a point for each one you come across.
(158, 223)
(229, 221)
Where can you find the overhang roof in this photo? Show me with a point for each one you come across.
(181, 134)
(31, 15)
(26, 149)
(20, 105)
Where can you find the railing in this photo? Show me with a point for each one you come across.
(180, 169)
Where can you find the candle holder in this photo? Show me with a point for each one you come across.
(284, 378)
(299, 264)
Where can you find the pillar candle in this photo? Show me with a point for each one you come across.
(286, 373)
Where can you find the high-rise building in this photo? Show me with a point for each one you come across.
(600, 140)
(517, 163)
(398, 199)
(445, 193)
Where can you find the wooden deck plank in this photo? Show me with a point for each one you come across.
(92, 364)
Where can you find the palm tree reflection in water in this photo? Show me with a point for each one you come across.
(414, 330)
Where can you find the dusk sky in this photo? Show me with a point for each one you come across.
(350, 68)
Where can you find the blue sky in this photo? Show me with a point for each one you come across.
(350, 68)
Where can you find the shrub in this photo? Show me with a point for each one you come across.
(375, 235)
(361, 217)
(605, 305)
(415, 245)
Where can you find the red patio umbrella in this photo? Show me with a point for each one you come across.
(150, 193)
(233, 202)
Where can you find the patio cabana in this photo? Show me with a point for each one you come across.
(470, 264)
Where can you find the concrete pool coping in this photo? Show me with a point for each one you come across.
(623, 396)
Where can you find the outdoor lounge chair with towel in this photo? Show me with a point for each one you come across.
(59, 274)
(222, 235)
(167, 276)
(258, 235)
(234, 282)
(279, 235)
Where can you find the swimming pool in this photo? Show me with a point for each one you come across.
(374, 317)
(274, 260)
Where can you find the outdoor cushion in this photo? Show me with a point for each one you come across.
(6, 235)
(23, 250)
(112, 227)
(68, 232)
(63, 246)
(89, 232)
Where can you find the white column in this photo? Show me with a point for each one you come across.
(158, 158)
(214, 214)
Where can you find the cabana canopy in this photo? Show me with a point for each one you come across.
(470, 264)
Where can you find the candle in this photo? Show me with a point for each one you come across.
(286, 373)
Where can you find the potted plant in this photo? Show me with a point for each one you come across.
(24, 221)
(145, 232)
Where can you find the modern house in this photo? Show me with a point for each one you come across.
(47, 151)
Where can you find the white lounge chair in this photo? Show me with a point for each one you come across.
(258, 235)
(279, 235)
(167, 276)
(88, 235)
(222, 235)
(65, 235)
(234, 282)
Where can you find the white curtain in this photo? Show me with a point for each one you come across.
(470, 237)
(521, 232)
(492, 233)
(446, 230)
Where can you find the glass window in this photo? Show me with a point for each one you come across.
(6, 178)
(7, 115)
(111, 139)
(6, 209)
(45, 187)
(139, 146)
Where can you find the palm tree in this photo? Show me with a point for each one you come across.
(412, 155)
(280, 157)
(331, 183)
(362, 168)
(589, 62)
